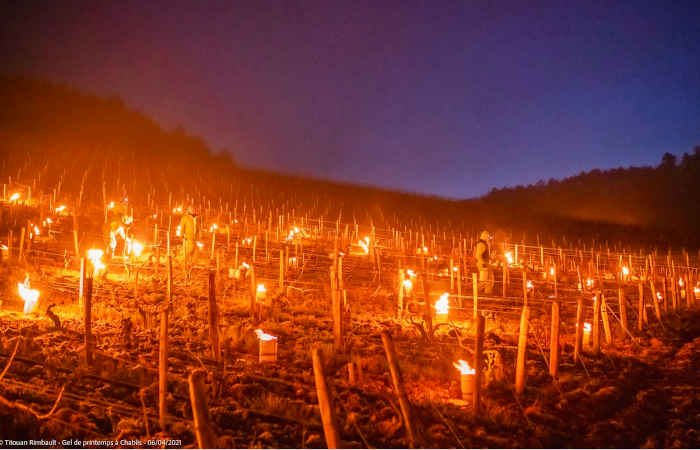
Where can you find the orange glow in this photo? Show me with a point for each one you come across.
(61, 209)
(509, 257)
(364, 243)
(30, 296)
(551, 271)
(264, 336)
(442, 306)
(625, 270)
(407, 286)
(464, 367)
(14, 197)
(95, 256)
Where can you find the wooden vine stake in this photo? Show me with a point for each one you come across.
(623, 309)
(578, 346)
(478, 363)
(404, 405)
(87, 314)
(325, 402)
(475, 292)
(554, 341)
(213, 318)
(640, 308)
(596, 324)
(200, 412)
(522, 349)
(606, 320)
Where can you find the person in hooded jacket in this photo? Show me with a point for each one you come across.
(483, 263)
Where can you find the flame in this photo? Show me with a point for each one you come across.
(134, 247)
(292, 260)
(530, 285)
(455, 269)
(177, 210)
(200, 245)
(264, 336)
(14, 197)
(551, 271)
(127, 219)
(111, 205)
(95, 256)
(178, 230)
(659, 296)
(61, 209)
(442, 306)
(411, 273)
(30, 296)
(589, 282)
(464, 367)
(247, 241)
(213, 228)
(113, 237)
(261, 289)
(697, 291)
(364, 243)
(509, 257)
(680, 282)
(587, 327)
(244, 265)
(408, 286)
(625, 270)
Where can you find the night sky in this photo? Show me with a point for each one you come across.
(448, 98)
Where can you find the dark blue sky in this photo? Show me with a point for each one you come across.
(449, 98)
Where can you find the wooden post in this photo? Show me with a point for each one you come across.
(475, 292)
(75, 234)
(87, 314)
(606, 320)
(21, 244)
(654, 298)
(505, 280)
(478, 362)
(337, 306)
(554, 341)
(400, 293)
(163, 367)
(200, 412)
(452, 276)
(81, 283)
(522, 349)
(623, 309)
(213, 318)
(325, 402)
(404, 405)
(579, 330)
(253, 292)
(596, 324)
(524, 287)
(640, 307)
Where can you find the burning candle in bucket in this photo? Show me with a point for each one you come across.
(466, 378)
(442, 308)
(587, 328)
(30, 296)
(268, 346)
(260, 292)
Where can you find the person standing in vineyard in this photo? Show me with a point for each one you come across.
(481, 253)
(188, 229)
